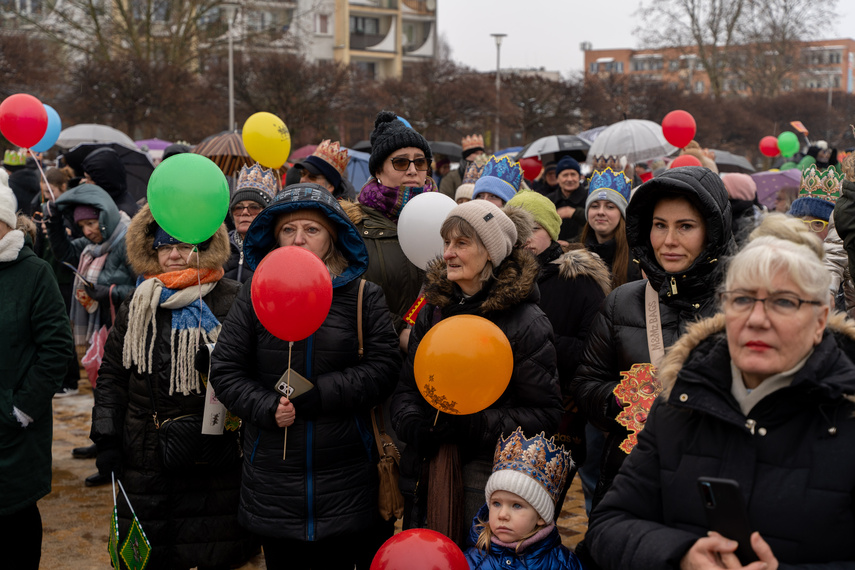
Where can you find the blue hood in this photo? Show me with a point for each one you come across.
(259, 240)
(98, 198)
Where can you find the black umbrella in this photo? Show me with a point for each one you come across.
(451, 150)
(556, 146)
(362, 146)
(729, 162)
(138, 165)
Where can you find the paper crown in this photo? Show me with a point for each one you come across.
(257, 177)
(14, 158)
(472, 141)
(822, 184)
(537, 457)
(608, 179)
(611, 161)
(505, 170)
(333, 154)
(474, 170)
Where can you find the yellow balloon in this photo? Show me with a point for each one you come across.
(267, 139)
(463, 364)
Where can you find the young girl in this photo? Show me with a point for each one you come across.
(516, 528)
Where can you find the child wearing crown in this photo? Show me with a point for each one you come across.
(516, 528)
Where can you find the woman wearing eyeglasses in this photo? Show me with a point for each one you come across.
(760, 394)
(400, 170)
(255, 189)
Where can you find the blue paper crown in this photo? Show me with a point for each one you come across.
(609, 179)
(505, 170)
(537, 457)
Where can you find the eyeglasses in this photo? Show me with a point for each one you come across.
(253, 209)
(401, 163)
(183, 248)
(737, 302)
(815, 226)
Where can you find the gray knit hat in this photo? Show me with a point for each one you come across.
(495, 230)
(389, 135)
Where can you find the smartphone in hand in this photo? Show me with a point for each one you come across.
(727, 515)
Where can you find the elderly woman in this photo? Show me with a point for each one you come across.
(256, 187)
(399, 165)
(760, 394)
(678, 225)
(314, 507)
(484, 271)
(190, 517)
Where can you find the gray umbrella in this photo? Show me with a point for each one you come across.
(729, 162)
(555, 143)
(92, 133)
(636, 139)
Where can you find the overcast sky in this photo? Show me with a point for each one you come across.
(547, 33)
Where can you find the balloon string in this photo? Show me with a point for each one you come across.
(44, 177)
(436, 419)
(199, 280)
(287, 383)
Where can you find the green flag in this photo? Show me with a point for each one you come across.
(113, 545)
(136, 550)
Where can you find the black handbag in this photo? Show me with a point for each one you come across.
(183, 446)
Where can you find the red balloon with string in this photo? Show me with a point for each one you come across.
(769, 146)
(23, 119)
(531, 167)
(291, 293)
(679, 128)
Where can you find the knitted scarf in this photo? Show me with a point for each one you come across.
(85, 317)
(390, 201)
(181, 292)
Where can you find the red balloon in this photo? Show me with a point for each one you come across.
(769, 146)
(291, 292)
(685, 160)
(679, 128)
(419, 549)
(23, 119)
(531, 167)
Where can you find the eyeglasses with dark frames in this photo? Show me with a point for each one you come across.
(252, 209)
(738, 302)
(401, 163)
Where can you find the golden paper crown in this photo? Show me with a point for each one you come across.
(333, 154)
(472, 141)
(822, 184)
(538, 457)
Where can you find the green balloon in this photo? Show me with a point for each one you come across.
(788, 143)
(189, 197)
(805, 162)
(788, 166)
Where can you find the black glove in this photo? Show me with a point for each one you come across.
(108, 460)
(308, 404)
(202, 360)
(424, 437)
(97, 292)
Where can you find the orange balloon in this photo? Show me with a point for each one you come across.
(463, 364)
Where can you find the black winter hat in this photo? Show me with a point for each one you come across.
(389, 135)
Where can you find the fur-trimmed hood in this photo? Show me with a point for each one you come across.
(838, 324)
(582, 263)
(515, 282)
(353, 211)
(213, 254)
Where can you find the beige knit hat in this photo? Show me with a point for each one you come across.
(495, 230)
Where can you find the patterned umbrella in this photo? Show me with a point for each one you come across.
(226, 150)
(768, 184)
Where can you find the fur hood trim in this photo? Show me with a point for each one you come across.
(523, 221)
(581, 263)
(143, 258)
(513, 283)
(353, 211)
(697, 332)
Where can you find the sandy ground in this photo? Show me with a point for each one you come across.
(76, 518)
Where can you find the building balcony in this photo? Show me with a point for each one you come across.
(365, 41)
(382, 4)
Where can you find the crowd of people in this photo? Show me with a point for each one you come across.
(740, 314)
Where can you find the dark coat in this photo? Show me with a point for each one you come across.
(35, 345)
(606, 251)
(190, 519)
(235, 267)
(571, 227)
(844, 220)
(327, 484)
(792, 457)
(538, 553)
(618, 337)
(532, 399)
(106, 169)
(387, 265)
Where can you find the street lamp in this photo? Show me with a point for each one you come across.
(230, 9)
(498, 38)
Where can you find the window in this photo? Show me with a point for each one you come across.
(674, 65)
(699, 86)
(367, 67)
(322, 24)
(364, 26)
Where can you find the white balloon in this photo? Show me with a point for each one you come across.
(419, 225)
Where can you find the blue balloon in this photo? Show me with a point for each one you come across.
(54, 126)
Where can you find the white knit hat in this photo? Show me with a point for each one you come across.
(8, 203)
(521, 484)
(495, 230)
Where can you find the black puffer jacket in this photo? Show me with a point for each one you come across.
(532, 399)
(792, 457)
(190, 519)
(327, 484)
(618, 338)
(106, 169)
(236, 267)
